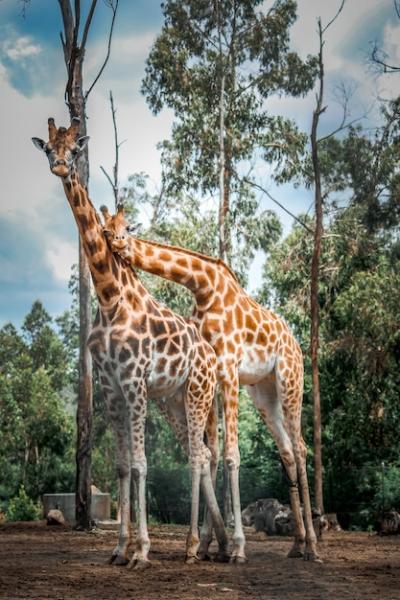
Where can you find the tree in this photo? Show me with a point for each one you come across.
(74, 39)
(36, 432)
(199, 67)
(318, 232)
(357, 295)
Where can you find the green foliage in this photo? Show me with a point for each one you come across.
(200, 46)
(359, 296)
(22, 508)
(36, 431)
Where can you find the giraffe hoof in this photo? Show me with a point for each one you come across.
(139, 564)
(204, 557)
(295, 552)
(118, 559)
(312, 557)
(222, 557)
(238, 560)
(192, 560)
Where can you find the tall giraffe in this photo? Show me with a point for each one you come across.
(141, 350)
(255, 347)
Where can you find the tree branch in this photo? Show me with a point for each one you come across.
(69, 24)
(114, 8)
(335, 17)
(252, 183)
(387, 68)
(87, 25)
(114, 184)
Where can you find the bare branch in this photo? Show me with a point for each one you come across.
(252, 183)
(342, 127)
(77, 20)
(335, 17)
(108, 177)
(74, 51)
(114, 184)
(87, 25)
(397, 7)
(69, 24)
(114, 8)
(378, 57)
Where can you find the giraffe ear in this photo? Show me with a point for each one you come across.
(105, 213)
(82, 142)
(133, 228)
(38, 143)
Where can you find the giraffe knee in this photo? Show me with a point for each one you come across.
(139, 467)
(232, 459)
(289, 468)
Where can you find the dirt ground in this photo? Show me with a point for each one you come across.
(40, 562)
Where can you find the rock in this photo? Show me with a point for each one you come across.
(389, 523)
(55, 517)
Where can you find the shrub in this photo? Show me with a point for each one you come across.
(22, 508)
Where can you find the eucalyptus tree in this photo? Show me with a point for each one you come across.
(216, 65)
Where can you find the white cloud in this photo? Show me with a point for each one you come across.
(60, 255)
(20, 48)
(391, 36)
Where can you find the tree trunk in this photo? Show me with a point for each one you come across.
(84, 415)
(318, 475)
(222, 212)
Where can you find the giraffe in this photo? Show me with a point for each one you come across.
(254, 347)
(142, 350)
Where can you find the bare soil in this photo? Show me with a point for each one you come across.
(40, 562)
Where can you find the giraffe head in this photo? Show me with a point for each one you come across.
(116, 228)
(63, 147)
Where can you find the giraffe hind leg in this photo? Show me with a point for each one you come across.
(200, 393)
(291, 392)
(268, 402)
(212, 444)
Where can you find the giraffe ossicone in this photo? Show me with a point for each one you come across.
(141, 350)
(254, 346)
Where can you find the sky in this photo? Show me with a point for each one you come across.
(38, 236)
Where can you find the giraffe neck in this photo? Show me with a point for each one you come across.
(105, 268)
(200, 274)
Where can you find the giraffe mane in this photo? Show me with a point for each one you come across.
(211, 259)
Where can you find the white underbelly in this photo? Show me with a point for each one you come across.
(251, 370)
(159, 386)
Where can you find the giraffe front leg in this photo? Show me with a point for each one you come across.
(116, 411)
(230, 396)
(212, 445)
(200, 394)
(137, 403)
(192, 540)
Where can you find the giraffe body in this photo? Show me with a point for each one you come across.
(142, 350)
(255, 347)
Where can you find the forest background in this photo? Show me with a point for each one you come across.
(358, 290)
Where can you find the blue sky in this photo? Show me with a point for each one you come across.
(38, 237)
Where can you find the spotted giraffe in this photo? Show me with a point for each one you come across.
(255, 347)
(142, 350)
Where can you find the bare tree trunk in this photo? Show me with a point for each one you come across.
(84, 414)
(74, 54)
(224, 239)
(318, 475)
(222, 212)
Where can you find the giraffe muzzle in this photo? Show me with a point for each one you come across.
(118, 245)
(61, 170)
